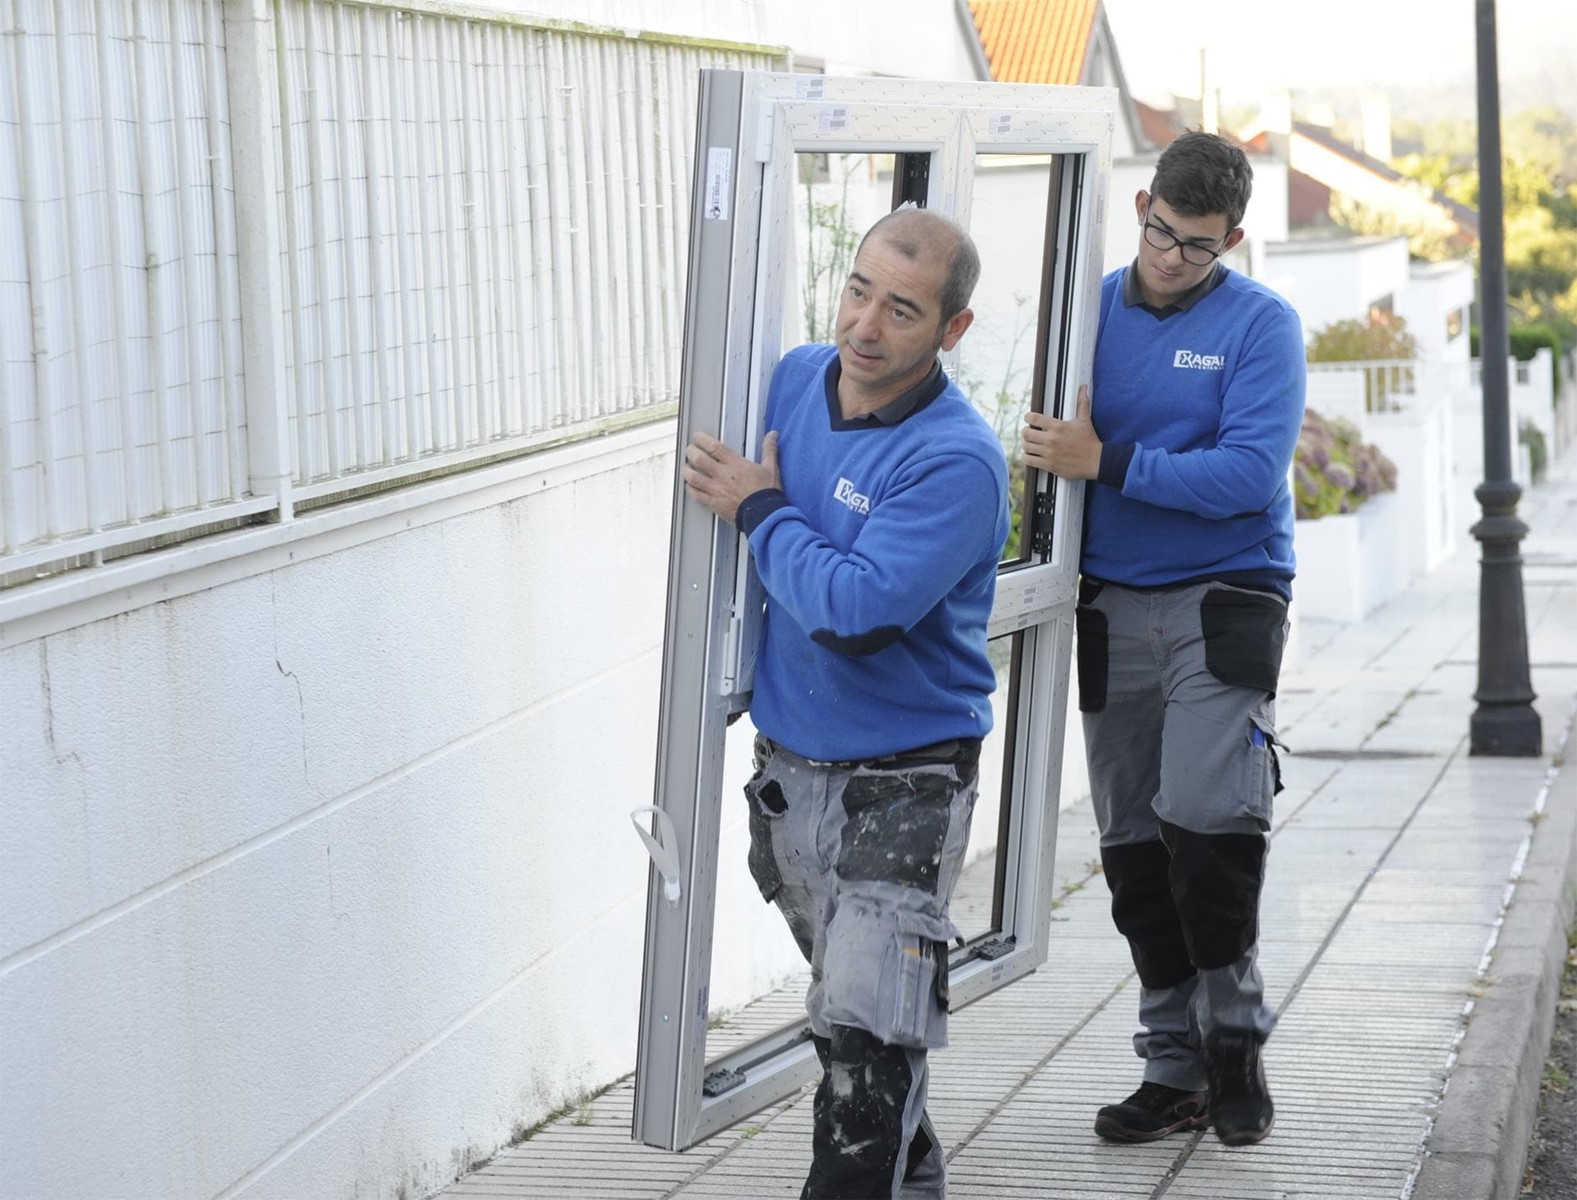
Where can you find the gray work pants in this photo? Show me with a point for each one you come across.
(862, 859)
(1177, 690)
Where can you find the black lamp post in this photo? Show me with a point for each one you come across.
(1505, 722)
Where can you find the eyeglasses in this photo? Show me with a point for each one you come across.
(1193, 252)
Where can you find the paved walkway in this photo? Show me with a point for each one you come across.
(1412, 934)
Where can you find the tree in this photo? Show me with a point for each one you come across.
(1539, 181)
(1361, 341)
(1384, 341)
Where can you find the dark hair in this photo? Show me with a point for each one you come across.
(916, 232)
(1202, 174)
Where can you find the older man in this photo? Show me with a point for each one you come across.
(875, 519)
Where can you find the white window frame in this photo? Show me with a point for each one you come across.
(750, 126)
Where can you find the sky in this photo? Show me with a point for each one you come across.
(1257, 46)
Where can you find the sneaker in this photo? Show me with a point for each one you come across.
(1240, 1103)
(1154, 1111)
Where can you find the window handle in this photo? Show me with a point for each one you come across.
(663, 848)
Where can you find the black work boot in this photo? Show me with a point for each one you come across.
(1240, 1104)
(1152, 1112)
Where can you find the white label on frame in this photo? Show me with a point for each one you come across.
(1000, 125)
(813, 87)
(832, 120)
(719, 174)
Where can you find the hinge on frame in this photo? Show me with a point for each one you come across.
(1045, 506)
(724, 1080)
(998, 947)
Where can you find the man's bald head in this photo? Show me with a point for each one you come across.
(919, 234)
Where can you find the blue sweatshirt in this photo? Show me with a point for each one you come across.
(879, 559)
(1199, 413)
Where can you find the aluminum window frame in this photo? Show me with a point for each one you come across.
(750, 125)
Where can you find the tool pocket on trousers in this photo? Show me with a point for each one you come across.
(767, 804)
(1262, 773)
(910, 996)
(896, 826)
(1093, 655)
(1245, 635)
(1262, 737)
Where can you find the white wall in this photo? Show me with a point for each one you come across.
(920, 39)
(1433, 293)
(326, 873)
(1532, 394)
(1336, 279)
(1420, 441)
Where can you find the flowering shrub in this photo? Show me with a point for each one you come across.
(1335, 470)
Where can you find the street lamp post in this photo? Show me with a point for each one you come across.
(1505, 722)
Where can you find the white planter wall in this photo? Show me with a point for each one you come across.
(1349, 564)
(1532, 395)
(1420, 441)
(1420, 438)
(324, 879)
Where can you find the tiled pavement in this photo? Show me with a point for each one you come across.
(1388, 881)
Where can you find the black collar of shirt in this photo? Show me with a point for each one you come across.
(895, 411)
(1132, 296)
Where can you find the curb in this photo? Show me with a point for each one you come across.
(1478, 1146)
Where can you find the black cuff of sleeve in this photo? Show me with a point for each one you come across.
(1115, 457)
(757, 507)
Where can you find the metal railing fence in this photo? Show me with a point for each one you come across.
(256, 254)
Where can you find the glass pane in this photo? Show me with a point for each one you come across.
(977, 901)
(758, 974)
(759, 977)
(837, 197)
(997, 357)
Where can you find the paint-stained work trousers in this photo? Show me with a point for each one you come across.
(861, 859)
(1177, 689)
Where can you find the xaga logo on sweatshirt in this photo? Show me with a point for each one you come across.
(1199, 362)
(844, 493)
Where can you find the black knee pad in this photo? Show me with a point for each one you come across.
(859, 1111)
(1216, 880)
(1144, 913)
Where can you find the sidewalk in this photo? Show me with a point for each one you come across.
(1414, 979)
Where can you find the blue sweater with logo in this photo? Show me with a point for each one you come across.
(1199, 413)
(879, 560)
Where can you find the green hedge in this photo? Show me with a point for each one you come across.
(1525, 343)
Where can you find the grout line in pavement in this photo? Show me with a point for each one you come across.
(1341, 919)
(1173, 1172)
(1013, 1093)
(1336, 927)
(734, 1144)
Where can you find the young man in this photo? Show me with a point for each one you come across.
(875, 519)
(1187, 571)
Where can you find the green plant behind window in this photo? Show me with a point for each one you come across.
(831, 240)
